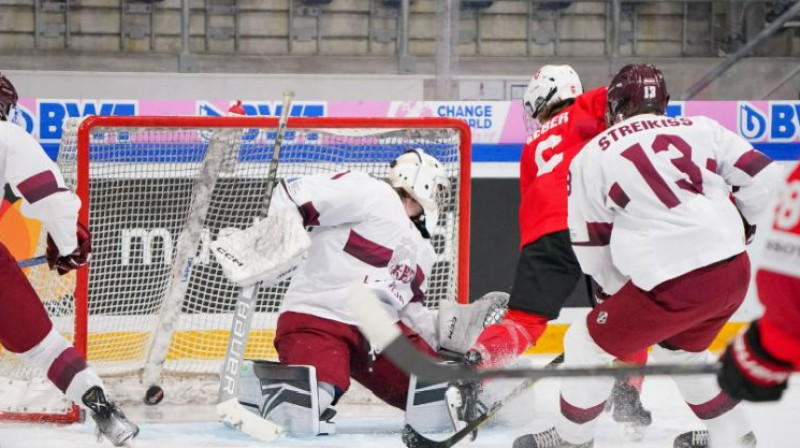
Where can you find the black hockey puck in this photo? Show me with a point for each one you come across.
(153, 396)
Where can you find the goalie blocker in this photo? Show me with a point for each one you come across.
(287, 396)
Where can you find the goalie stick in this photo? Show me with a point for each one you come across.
(413, 439)
(380, 330)
(229, 410)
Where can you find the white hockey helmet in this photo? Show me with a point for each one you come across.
(423, 178)
(550, 84)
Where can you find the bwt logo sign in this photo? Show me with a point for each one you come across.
(24, 118)
(264, 109)
(52, 113)
(780, 123)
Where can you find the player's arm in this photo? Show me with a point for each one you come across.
(591, 221)
(753, 178)
(34, 177)
(330, 199)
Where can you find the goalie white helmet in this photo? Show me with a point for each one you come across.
(550, 84)
(423, 178)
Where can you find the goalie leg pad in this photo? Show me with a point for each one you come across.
(284, 395)
(426, 409)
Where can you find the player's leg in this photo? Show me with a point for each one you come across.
(380, 375)
(325, 344)
(726, 422)
(724, 418)
(626, 323)
(547, 273)
(582, 399)
(26, 330)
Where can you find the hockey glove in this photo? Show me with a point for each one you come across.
(749, 372)
(749, 229)
(74, 260)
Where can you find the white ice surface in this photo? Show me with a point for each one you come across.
(776, 425)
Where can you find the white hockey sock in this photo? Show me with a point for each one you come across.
(582, 399)
(327, 392)
(728, 428)
(80, 383)
(63, 365)
(45, 352)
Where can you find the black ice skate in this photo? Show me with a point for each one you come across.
(699, 439)
(110, 420)
(463, 403)
(462, 399)
(547, 439)
(631, 417)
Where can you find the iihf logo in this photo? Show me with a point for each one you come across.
(403, 262)
(602, 317)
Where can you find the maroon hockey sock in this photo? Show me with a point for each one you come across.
(68, 364)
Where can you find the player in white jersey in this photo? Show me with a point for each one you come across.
(25, 327)
(371, 231)
(658, 214)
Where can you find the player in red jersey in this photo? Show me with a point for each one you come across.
(756, 366)
(547, 270)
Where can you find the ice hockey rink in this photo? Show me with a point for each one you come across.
(378, 425)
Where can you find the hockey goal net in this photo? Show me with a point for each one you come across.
(147, 183)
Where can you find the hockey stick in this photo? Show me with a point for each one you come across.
(380, 330)
(222, 142)
(31, 262)
(413, 439)
(229, 409)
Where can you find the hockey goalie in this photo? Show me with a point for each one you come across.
(331, 231)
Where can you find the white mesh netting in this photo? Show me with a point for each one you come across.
(142, 186)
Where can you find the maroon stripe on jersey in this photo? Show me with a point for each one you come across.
(654, 180)
(39, 186)
(367, 251)
(339, 175)
(715, 407)
(711, 165)
(617, 194)
(752, 162)
(309, 213)
(419, 277)
(68, 364)
(599, 234)
(580, 415)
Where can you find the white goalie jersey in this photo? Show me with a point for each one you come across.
(653, 198)
(360, 233)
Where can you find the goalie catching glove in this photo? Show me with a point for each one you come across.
(268, 251)
(460, 325)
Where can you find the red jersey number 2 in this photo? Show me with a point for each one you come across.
(544, 166)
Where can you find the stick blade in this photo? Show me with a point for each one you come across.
(233, 414)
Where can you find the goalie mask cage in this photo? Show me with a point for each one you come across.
(148, 182)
